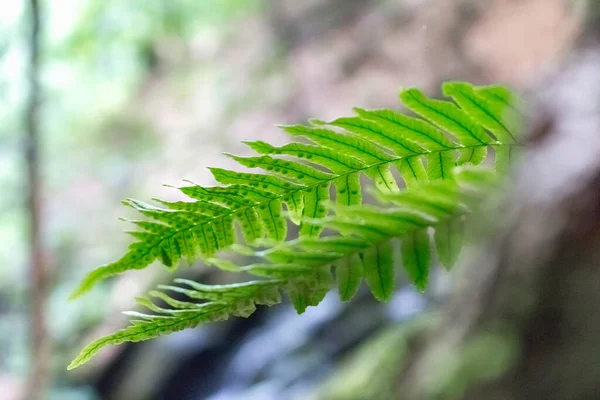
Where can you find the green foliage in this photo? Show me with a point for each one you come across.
(361, 240)
(373, 143)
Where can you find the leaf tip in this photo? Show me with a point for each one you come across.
(72, 366)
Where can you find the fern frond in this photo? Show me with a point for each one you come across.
(302, 268)
(373, 143)
(363, 246)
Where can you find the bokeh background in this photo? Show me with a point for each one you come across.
(139, 93)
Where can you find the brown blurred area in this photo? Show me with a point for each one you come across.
(200, 95)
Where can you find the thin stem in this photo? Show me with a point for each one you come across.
(38, 274)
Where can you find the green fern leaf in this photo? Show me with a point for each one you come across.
(449, 238)
(409, 129)
(348, 191)
(473, 156)
(297, 176)
(416, 257)
(314, 208)
(148, 327)
(349, 273)
(504, 157)
(446, 116)
(302, 268)
(378, 265)
(502, 99)
(350, 146)
(480, 109)
(440, 165)
(372, 131)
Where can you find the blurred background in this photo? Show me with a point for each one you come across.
(110, 99)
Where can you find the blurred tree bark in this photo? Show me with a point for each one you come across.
(524, 320)
(38, 274)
